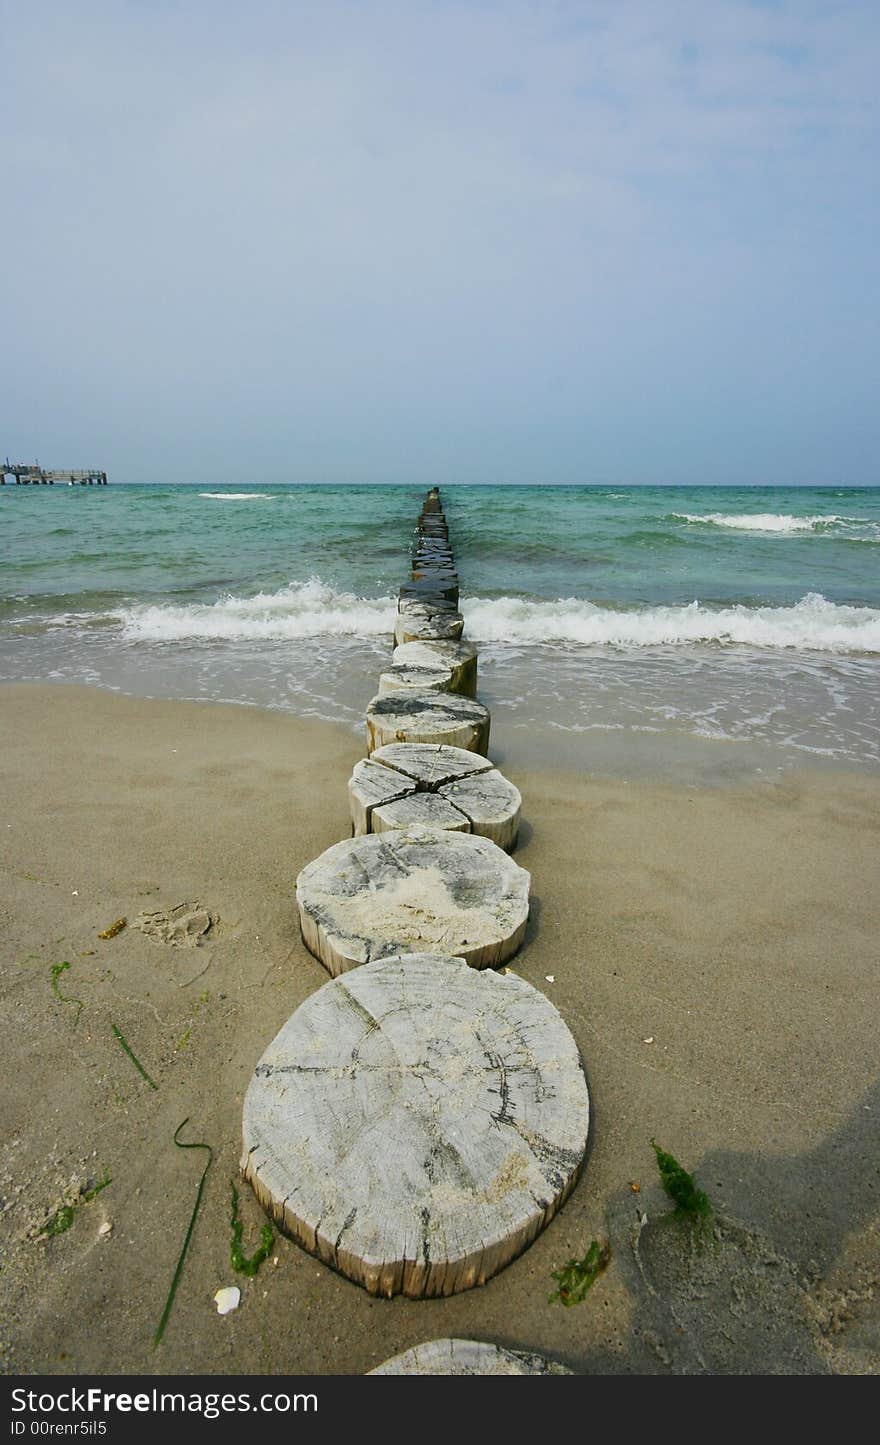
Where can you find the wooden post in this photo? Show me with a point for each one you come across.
(468, 1357)
(416, 1124)
(412, 888)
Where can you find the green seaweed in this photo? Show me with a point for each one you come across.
(56, 971)
(188, 1236)
(133, 1056)
(89, 1194)
(63, 1218)
(579, 1275)
(690, 1202)
(240, 1262)
(61, 1221)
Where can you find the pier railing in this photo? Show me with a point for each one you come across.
(31, 474)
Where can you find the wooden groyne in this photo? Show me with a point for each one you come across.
(422, 1116)
(31, 474)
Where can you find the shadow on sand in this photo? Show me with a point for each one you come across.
(787, 1282)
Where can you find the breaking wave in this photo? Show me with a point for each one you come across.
(308, 609)
(779, 522)
(811, 624)
(314, 609)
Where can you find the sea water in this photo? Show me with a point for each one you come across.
(616, 624)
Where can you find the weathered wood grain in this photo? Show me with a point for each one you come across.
(432, 549)
(369, 785)
(400, 769)
(427, 626)
(469, 783)
(427, 717)
(402, 676)
(412, 888)
(468, 1357)
(416, 1124)
(415, 607)
(419, 810)
(459, 657)
(490, 803)
(431, 765)
(432, 588)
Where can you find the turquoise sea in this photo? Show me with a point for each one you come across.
(615, 623)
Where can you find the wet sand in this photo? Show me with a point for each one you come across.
(713, 950)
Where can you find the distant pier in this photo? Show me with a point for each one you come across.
(31, 474)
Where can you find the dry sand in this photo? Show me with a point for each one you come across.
(714, 951)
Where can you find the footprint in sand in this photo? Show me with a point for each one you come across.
(183, 926)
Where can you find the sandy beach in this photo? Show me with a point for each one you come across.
(712, 948)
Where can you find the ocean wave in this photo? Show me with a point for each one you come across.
(813, 624)
(779, 522)
(238, 496)
(314, 609)
(308, 609)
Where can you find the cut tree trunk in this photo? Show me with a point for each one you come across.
(430, 765)
(414, 606)
(412, 888)
(402, 676)
(431, 588)
(416, 1124)
(474, 789)
(427, 717)
(490, 803)
(371, 785)
(459, 657)
(468, 1357)
(427, 626)
(419, 810)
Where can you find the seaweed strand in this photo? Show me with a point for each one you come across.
(133, 1056)
(240, 1261)
(188, 1236)
(56, 971)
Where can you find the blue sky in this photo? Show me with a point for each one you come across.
(605, 241)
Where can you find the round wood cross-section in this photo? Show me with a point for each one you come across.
(399, 677)
(407, 784)
(468, 1357)
(458, 657)
(427, 626)
(412, 888)
(430, 765)
(371, 785)
(416, 1124)
(490, 803)
(427, 717)
(420, 810)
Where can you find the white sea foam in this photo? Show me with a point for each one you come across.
(308, 609)
(812, 624)
(238, 496)
(780, 522)
(313, 609)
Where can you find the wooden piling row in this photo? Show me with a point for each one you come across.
(421, 1117)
